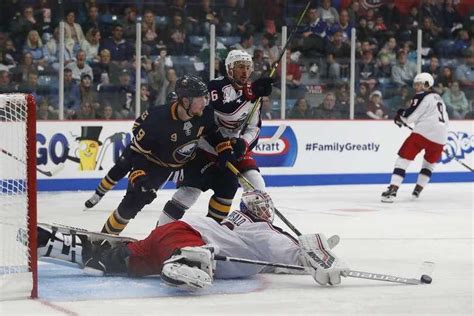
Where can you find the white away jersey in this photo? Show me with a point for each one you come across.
(230, 112)
(428, 112)
(240, 236)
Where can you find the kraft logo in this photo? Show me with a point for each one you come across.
(458, 145)
(281, 153)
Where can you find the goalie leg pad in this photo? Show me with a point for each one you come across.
(190, 268)
(67, 247)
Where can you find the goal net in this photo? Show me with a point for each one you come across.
(18, 273)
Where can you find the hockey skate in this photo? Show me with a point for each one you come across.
(92, 201)
(389, 195)
(189, 268)
(416, 192)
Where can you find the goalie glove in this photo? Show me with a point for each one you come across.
(324, 266)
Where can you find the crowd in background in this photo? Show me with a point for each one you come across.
(100, 61)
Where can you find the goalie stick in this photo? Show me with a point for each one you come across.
(424, 279)
(445, 151)
(93, 236)
(46, 173)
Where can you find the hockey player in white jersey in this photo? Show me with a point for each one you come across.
(232, 97)
(182, 252)
(427, 112)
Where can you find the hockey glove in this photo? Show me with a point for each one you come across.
(225, 154)
(324, 266)
(398, 118)
(141, 182)
(262, 87)
(240, 147)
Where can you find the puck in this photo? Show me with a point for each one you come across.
(426, 279)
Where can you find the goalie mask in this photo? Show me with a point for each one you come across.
(235, 58)
(258, 205)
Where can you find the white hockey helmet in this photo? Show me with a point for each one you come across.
(425, 78)
(258, 205)
(236, 56)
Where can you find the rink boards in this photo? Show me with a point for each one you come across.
(79, 153)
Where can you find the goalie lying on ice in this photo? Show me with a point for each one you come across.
(182, 252)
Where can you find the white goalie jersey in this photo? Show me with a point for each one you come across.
(231, 109)
(240, 236)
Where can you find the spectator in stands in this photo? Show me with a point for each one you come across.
(93, 20)
(402, 99)
(91, 45)
(260, 65)
(444, 81)
(430, 32)
(267, 112)
(176, 40)
(391, 16)
(233, 20)
(86, 112)
(120, 50)
(52, 51)
(456, 101)
(73, 34)
(300, 110)
(43, 14)
(361, 101)
(338, 56)
(403, 71)
(246, 43)
(105, 72)
(451, 18)
(367, 69)
(108, 112)
(23, 25)
(364, 33)
(87, 91)
(34, 46)
(201, 18)
(121, 95)
(80, 67)
(375, 108)
(327, 110)
(31, 86)
(5, 84)
(293, 75)
(388, 50)
(46, 111)
(433, 68)
(432, 9)
(313, 34)
(145, 100)
(272, 15)
(353, 11)
(269, 48)
(149, 32)
(21, 71)
(409, 25)
(156, 76)
(129, 24)
(465, 74)
(168, 86)
(327, 13)
(343, 25)
(72, 96)
(343, 100)
(461, 43)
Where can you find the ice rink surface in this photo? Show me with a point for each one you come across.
(387, 238)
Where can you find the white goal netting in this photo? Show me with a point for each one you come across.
(16, 279)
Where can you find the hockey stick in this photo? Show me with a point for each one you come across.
(46, 173)
(235, 171)
(281, 129)
(274, 68)
(424, 279)
(445, 151)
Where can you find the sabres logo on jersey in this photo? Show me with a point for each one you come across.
(185, 152)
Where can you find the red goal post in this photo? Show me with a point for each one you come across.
(18, 218)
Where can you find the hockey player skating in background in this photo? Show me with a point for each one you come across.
(120, 169)
(165, 140)
(427, 112)
(232, 98)
(182, 252)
